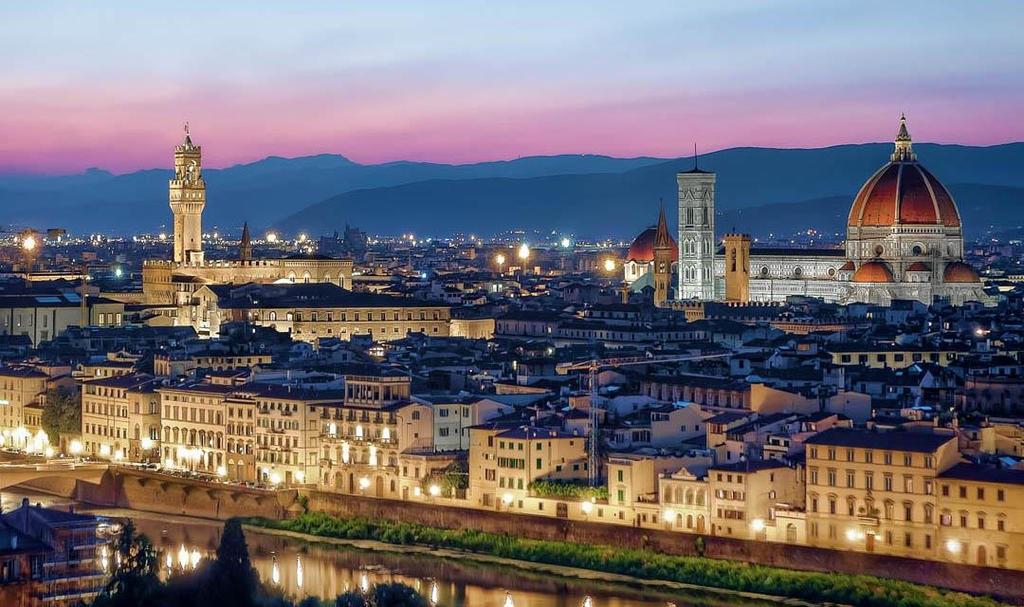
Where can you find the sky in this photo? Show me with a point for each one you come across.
(110, 85)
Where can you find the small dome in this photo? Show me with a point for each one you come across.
(919, 266)
(848, 267)
(873, 271)
(958, 271)
(642, 249)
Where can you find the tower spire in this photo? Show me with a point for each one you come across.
(662, 238)
(904, 151)
(245, 246)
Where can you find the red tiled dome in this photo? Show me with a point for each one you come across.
(848, 267)
(642, 249)
(903, 192)
(958, 271)
(919, 266)
(873, 271)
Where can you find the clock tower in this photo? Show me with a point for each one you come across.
(187, 199)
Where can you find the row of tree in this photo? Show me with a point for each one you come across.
(229, 580)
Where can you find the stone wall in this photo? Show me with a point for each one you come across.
(1005, 583)
(140, 490)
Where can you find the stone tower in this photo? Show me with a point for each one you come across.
(662, 260)
(245, 246)
(737, 267)
(188, 198)
(696, 234)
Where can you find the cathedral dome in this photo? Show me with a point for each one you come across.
(958, 271)
(919, 266)
(642, 249)
(873, 271)
(903, 193)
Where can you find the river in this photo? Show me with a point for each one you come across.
(303, 568)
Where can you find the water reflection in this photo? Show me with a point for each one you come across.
(301, 569)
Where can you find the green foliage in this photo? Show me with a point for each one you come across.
(62, 413)
(861, 590)
(453, 478)
(570, 490)
(135, 579)
(393, 594)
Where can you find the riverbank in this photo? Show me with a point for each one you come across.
(755, 582)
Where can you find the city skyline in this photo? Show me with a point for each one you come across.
(451, 86)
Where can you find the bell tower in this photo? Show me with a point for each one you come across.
(187, 199)
(696, 233)
(663, 249)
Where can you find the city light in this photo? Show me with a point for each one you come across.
(302, 237)
(364, 483)
(953, 546)
(587, 507)
(75, 447)
(854, 535)
(566, 243)
(222, 471)
(506, 499)
(609, 265)
(163, 236)
(668, 515)
(146, 444)
(524, 251)
(435, 490)
(757, 525)
(271, 237)
(29, 243)
(499, 259)
(49, 452)
(275, 478)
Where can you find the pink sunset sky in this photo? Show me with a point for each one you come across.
(110, 86)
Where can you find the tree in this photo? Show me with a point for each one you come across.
(383, 595)
(235, 580)
(62, 413)
(135, 579)
(397, 595)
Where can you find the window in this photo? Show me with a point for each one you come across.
(963, 493)
(850, 479)
(1000, 495)
(981, 493)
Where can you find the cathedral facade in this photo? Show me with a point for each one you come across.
(173, 282)
(904, 241)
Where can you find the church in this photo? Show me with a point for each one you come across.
(173, 282)
(904, 241)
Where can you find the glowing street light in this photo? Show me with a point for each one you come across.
(29, 243)
(222, 471)
(609, 265)
(146, 444)
(566, 243)
(271, 237)
(757, 525)
(435, 490)
(524, 251)
(668, 515)
(364, 483)
(953, 546)
(507, 499)
(75, 447)
(588, 506)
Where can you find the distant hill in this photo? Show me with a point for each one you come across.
(582, 194)
(259, 192)
(620, 204)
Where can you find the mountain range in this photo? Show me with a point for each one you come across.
(759, 190)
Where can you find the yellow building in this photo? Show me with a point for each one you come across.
(121, 418)
(366, 435)
(892, 356)
(312, 311)
(194, 426)
(981, 516)
(876, 491)
(22, 397)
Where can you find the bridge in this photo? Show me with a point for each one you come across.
(17, 473)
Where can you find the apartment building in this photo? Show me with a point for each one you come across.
(981, 515)
(22, 396)
(121, 418)
(876, 491)
(194, 426)
(365, 434)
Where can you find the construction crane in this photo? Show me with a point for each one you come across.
(593, 366)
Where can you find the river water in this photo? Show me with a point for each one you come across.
(303, 568)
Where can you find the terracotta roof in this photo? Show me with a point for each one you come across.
(642, 249)
(958, 271)
(919, 266)
(873, 271)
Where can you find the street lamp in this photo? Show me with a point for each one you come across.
(434, 490)
(609, 265)
(500, 260)
(29, 243)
